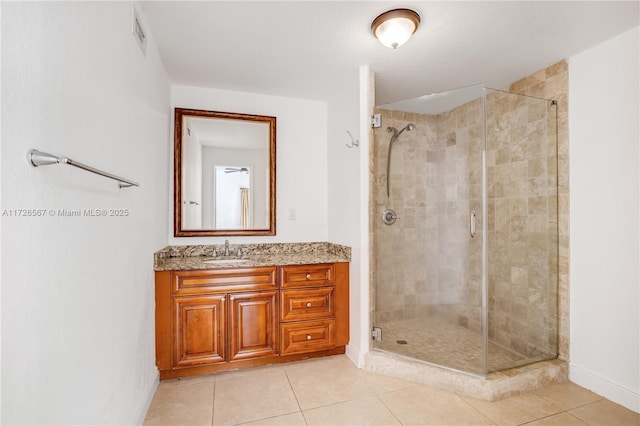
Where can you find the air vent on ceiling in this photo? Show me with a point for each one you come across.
(139, 33)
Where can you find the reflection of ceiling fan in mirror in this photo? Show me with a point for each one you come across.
(236, 170)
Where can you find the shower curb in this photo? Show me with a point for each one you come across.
(493, 387)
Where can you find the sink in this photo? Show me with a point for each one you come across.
(215, 261)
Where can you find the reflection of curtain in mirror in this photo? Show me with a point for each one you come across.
(244, 208)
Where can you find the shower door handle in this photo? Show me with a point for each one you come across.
(472, 223)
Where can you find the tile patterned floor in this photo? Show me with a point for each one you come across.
(332, 391)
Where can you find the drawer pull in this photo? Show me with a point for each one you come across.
(308, 276)
(308, 304)
(308, 337)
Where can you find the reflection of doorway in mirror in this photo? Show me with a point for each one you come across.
(232, 195)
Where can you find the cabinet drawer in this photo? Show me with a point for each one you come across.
(307, 275)
(307, 336)
(306, 304)
(223, 280)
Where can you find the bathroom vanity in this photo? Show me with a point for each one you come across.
(277, 303)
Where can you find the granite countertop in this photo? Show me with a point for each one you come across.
(174, 258)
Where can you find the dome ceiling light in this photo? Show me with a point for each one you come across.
(395, 27)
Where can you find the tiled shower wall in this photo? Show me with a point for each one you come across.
(522, 223)
(552, 83)
(406, 254)
(427, 262)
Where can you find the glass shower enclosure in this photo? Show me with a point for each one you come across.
(465, 229)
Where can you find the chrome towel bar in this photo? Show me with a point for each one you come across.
(38, 158)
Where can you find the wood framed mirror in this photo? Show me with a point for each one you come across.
(224, 174)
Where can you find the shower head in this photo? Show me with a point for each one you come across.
(397, 133)
(409, 127)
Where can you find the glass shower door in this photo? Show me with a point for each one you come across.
(428, 263)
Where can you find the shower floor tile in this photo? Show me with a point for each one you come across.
(438, 341)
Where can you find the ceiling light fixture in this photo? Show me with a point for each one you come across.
(395, 27)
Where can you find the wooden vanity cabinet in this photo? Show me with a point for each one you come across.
(221, 319)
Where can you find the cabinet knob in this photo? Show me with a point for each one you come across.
(308, 276)
(308, 337)
(308, 304)
(232, 298)
(223, 298)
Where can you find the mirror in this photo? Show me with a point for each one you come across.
(224, 174)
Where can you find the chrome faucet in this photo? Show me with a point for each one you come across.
(226, 248)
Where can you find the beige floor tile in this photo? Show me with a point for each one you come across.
(380, 383)
(184, 402)
(421, 405)
(515, 410)
(606, 413)
(252, 394)
(293, 419)
(368, 411)
(562, 419)
(318, 383)
(567, 395)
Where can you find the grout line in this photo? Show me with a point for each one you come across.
(294, 394)
(577, 418)
(213, 398)
(567, 409)
(551, 415)
(390, 410)
(270, 417)
(472, 407)
(584, 405)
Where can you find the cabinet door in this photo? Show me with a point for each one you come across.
(253, 325)
(199, 330)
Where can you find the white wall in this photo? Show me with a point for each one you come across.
(78, 292)
(605, 187)
(301, 158)
(344, 168)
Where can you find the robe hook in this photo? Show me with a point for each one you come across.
(354, 142)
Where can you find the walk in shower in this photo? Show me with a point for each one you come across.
(465, 229)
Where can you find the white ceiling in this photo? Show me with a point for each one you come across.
(313, 49)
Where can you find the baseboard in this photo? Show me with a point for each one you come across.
(354, 354)
(148, 394)
(612, 391)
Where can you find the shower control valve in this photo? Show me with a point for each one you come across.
(389, 217)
